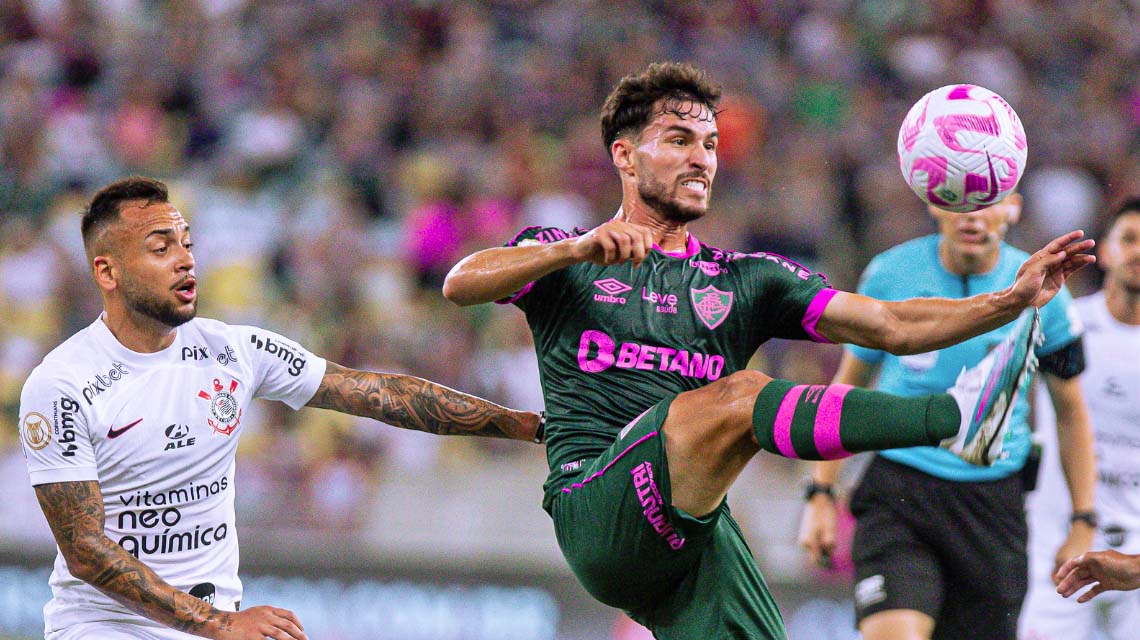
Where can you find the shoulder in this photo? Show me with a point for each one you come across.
(538, 234)
(758, 260)
(54, 377)
(1091, 303)
(64, 361)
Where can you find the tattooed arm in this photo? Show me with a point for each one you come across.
(414, 403)
(74, 510)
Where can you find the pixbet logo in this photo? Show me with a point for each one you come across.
(102, 383)
(195, 352)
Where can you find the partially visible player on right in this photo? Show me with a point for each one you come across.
(1111, 384)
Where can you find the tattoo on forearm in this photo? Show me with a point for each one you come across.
(414, 403)
(74, 510)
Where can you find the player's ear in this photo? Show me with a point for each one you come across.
(1013, 208)
(622, 153)
(103, 270)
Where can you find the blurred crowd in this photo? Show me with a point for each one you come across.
(336, 157)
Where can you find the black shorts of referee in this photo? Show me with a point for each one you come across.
(955, 551)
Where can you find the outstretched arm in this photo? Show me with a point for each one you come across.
(74, 511)
(413, 403)
(494, 274)
(919, 325)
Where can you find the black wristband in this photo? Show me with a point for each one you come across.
(814, 487)
(541, 432)
(1087, 517)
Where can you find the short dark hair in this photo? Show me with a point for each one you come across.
(1130, 204)
(108, 201)
(630, 107)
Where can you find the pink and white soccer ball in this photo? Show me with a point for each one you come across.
(962, 148)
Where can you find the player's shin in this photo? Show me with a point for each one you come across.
(827, 422)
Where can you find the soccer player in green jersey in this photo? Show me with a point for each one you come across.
(643, 334)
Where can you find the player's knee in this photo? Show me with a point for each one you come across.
(741, 387)
(732, 398)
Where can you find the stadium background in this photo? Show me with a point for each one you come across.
(336, 157)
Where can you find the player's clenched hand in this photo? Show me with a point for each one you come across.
(1110, 570)
(1044, 273)
(817, 529)
(259, 623)
(614, 243)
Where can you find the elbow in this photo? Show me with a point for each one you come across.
(896, 340)
(899, 346)
(455, 292)
(82, 557)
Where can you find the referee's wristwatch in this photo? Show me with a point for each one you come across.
(1087, 517)
(814, 487)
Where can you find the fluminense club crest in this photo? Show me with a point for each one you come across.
(711, 305)
(223, 407)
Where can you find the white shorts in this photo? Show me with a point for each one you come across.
(117, 631)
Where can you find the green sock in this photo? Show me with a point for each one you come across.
(826, 422)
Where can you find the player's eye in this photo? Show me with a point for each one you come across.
(160, 250)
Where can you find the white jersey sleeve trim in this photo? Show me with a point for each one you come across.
(72, 474)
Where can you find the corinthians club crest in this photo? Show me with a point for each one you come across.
(711, 304)
(223, 406)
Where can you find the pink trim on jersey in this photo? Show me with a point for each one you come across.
(522, 292)
(815, 312)
(782, 430)
(826, 433)
(515, 240)
(596, 474)
(692, 248)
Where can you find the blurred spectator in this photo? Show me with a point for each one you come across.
(337, 156)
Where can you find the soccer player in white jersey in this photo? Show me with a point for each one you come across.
(1112, 389)
(130, 429)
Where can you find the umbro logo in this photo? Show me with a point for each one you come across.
(113, 433)
(613, 289)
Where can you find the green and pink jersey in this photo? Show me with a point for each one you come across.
(614, 340)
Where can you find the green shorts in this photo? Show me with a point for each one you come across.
(680, 576)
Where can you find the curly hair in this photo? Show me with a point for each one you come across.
(633, 102)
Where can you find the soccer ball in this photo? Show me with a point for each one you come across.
(962, 148)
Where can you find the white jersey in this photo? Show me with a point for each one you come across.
(1111, 388)
(159, 432)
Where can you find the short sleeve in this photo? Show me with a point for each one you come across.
(54, 431)
(533, 236)
(1060, 322)
(791, 297)
(284, 370)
